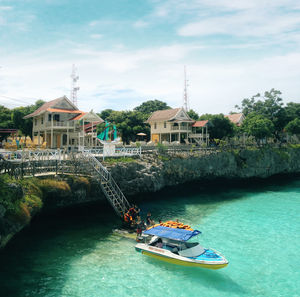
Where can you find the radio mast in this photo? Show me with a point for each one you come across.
(74, 87)
(185, 95)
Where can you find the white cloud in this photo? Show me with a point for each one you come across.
(242, 24)
(122, 80)
(6, 8)
(96, 36)
(140, 24)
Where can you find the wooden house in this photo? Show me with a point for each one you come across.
(63, 125)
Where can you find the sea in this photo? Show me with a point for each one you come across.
(77, 251)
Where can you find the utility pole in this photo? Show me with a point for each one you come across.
(185, 95)
(74, 87)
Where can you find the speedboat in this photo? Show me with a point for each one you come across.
(175, 246)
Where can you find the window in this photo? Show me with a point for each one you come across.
(73, 141)
(165, 124)
(49, 117)
(56, 117)
(42, 121)
(155, 126)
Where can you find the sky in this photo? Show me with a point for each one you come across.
(129, 51)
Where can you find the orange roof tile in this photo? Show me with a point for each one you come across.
(235, 117)
(200, 123)
(64, 110)
(163, 115)
(78, 117)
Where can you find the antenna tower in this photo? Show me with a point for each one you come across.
(185, 95)
(74, 87)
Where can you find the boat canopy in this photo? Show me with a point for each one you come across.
(172, 233)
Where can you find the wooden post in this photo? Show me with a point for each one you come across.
(51, 130)
(68, 137)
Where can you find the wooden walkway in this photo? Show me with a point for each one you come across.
(81, 163)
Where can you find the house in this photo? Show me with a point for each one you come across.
(236, 118)
(203, 136)
(170, 125)
(62, 125)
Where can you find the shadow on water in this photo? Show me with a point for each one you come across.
(52, 242)
(208, 278)
(209, 194)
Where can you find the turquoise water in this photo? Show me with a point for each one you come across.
(76, 252)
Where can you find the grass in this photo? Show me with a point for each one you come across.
(119, 160)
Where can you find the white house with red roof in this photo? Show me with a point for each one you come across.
(63, 125)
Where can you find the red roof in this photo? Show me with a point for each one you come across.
(88, 127)
(200, 123)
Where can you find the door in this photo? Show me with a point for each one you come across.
(58, 142)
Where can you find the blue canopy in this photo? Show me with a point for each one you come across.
(172, 233)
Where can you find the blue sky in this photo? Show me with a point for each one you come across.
(127, 52)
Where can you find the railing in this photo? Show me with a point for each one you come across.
(199, 135)
(60, 124)
(108, 185)
(181, 128)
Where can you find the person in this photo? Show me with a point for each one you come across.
(159, 243)
(137, 210)
(149, 221)
(139, 225)
(132, 212)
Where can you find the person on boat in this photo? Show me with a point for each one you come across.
(159, 243)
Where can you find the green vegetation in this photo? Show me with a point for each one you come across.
(266, 116)
(193, 114)
(270, 107)
(13, 118)
(293, 127)
(220, 128)
(150, 106)
(258, 126)
(119, 160)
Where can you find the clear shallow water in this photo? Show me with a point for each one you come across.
(76, 253)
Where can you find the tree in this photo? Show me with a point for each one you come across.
(105, 113)
(221, 126)
(270, 106)
(18, 114)
(193, 114)
(293, 127)
(258, 126)
(151, 105)
(5, 118)
(292, 111)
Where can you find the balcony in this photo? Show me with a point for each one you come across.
(64, 124)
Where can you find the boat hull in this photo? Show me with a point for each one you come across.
(163, 255)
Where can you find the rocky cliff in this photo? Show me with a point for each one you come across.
(21, 200)
(154, 172)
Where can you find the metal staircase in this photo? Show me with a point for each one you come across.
(108, 185)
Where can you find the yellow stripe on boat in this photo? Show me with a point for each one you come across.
(184, 263)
